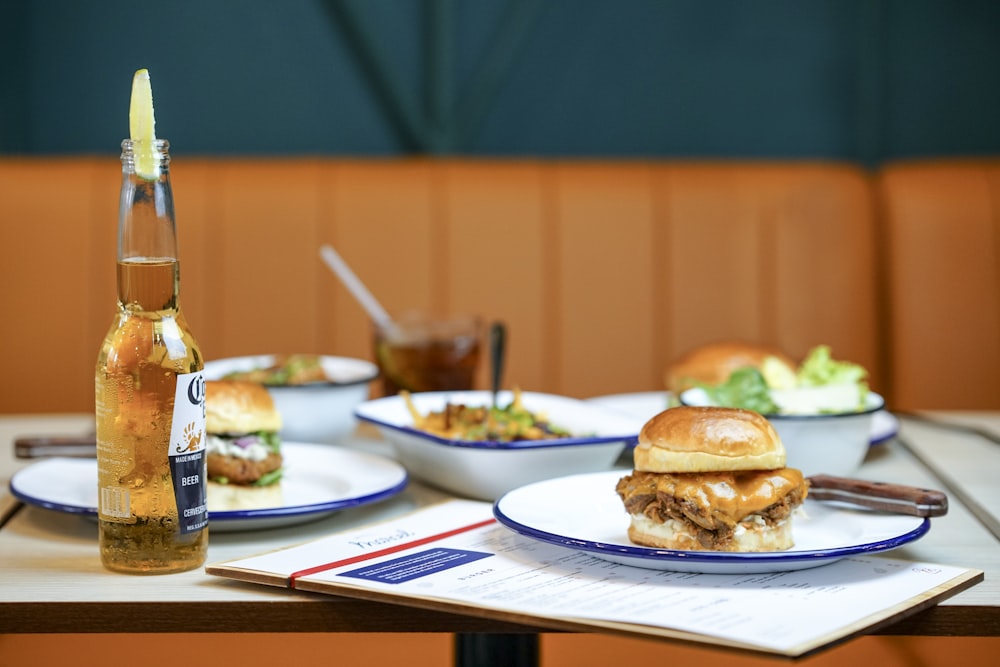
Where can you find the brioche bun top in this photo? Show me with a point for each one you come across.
(708, 439)
(712, 364)
(235, 406)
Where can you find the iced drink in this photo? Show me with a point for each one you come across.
(427, 354)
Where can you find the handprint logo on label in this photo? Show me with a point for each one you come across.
(191, 439)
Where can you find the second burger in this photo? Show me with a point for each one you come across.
(242, 424)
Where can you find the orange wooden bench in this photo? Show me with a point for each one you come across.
(603, 271)
(942, 258)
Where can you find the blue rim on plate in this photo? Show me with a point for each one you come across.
(885, 427)
(231, 515)
(390, 480)
(709, 556)
(534, 497)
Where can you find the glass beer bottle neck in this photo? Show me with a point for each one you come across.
(148, 283)
(146, 227)
(148, 272)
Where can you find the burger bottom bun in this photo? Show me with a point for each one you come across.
(749, 535)
(232, 497)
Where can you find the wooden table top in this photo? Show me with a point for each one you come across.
(52, 581)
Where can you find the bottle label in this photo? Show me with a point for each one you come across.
(187, 452)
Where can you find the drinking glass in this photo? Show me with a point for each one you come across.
(421, 352)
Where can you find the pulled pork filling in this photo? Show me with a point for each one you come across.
(712, 505)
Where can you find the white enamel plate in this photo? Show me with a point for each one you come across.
(584, 513)
(318, 480)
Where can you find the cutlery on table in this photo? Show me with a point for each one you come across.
(37, 447)
(895, 498)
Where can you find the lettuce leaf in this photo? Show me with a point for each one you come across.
(819, 385)
(745, 388)
(820, 369)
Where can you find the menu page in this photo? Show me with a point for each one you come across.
(456, 556)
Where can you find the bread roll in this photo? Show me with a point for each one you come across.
(705, 439)
(712, 364)
(235, 406)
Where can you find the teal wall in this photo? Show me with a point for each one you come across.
(864, 80)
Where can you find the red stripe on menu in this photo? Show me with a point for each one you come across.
(389, 550)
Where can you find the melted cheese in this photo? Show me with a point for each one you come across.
(731, 496)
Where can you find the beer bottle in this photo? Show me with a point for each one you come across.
(150, 393)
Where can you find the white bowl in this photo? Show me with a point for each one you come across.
(321, 412)
(832, 444)
(487, 470)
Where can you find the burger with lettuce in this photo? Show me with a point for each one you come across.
(243, 448)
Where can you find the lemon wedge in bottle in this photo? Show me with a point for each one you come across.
(142, 127)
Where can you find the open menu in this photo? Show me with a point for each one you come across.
(454, 556)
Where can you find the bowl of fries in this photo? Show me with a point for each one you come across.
(315, 394)
(459, 442)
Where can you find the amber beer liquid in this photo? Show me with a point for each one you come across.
(150, 401)
(427, 354)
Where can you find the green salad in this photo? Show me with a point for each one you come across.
(820, 385)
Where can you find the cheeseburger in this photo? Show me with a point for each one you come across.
(711, 479)
(242, 425)
(712, 364)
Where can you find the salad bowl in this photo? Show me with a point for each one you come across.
(317, 411)
(823, 410)
(834, 443)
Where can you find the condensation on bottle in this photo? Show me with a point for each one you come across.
(150, 395)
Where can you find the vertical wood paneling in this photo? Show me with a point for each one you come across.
(664, 347)
(603, 271)
(782, 255)
(497, 262)
(198, 237)
(381, 221)
(576, 650)
(268, 268)
(343, 326)
(713, 278)
(49, 342)
(826, 269)
(552, 287)
(100, 250)
(943, 221)
(605, 218)
(310, 649)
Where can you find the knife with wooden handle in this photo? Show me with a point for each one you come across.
(84, 446)
(895, 498)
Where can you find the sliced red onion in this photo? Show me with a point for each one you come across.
(245, 441)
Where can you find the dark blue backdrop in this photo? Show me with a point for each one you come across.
(864, 80)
